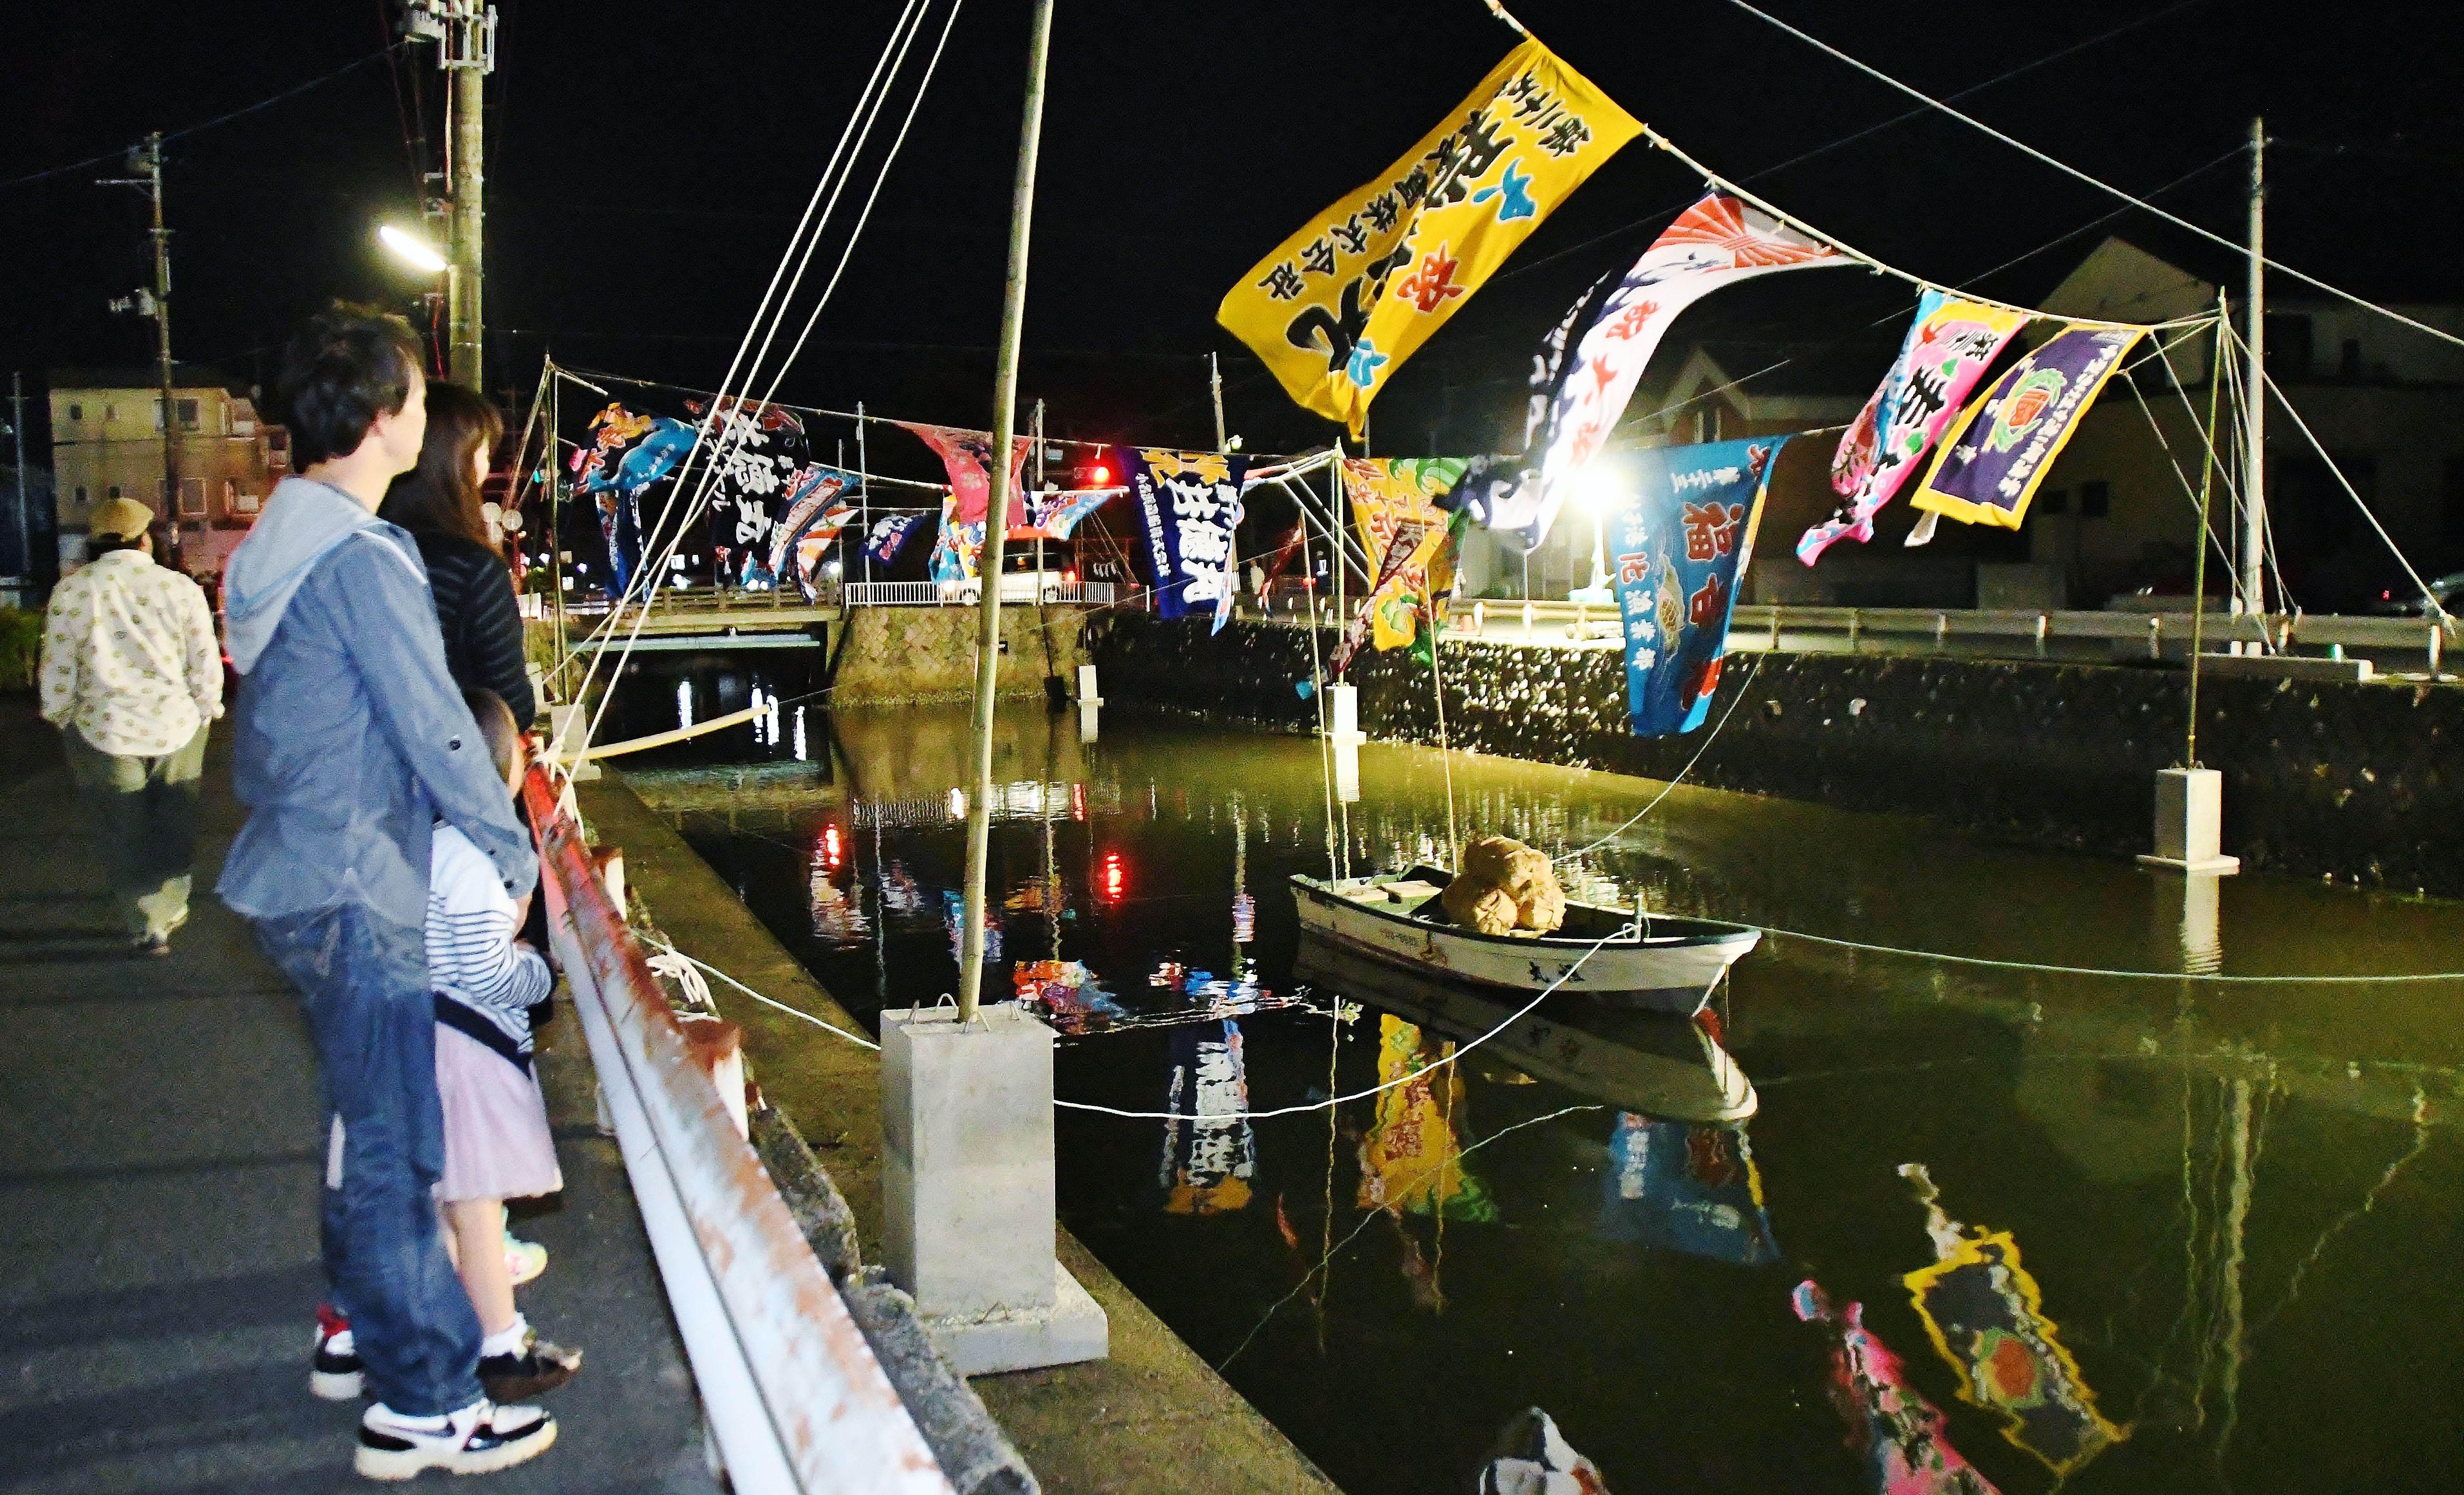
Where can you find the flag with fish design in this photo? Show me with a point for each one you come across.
(1188, 505)
(1339, 305)
(890, 535)
(817, 507)
(968, 455)
(1995, 456)
(753, 452)
(629, 452)
(1948, 349)
(957, 546)
(1691, 1188)
(1407, 536)
(1056, 515)
(1987, 1319)
(1718, 242)
(1682, 543)
(1501, 492)
(1412, 1157)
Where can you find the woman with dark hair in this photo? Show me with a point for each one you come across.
(438, 501)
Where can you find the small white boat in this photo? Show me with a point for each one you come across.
(1657, 963)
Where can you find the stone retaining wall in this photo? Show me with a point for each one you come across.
(929, 654)
(2359, 783)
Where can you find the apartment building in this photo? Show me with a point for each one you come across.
(107, 442)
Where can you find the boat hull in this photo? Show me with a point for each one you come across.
(1673, 973)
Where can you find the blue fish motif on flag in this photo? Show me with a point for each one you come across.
(1682, 543)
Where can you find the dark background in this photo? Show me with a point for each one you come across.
(645, 165)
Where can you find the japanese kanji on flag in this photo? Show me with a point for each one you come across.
(1995, 455)
(1682, 543)
(1188, 506)
(1394, 507)
(1339, 305)
(1717, 242)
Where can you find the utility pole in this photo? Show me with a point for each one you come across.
(980, 807)
(465, 34)
(2254, 492)
(145, 163)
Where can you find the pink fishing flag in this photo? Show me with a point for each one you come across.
(968, 455)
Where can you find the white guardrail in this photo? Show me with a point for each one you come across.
(1017, 587)
(796, 1399)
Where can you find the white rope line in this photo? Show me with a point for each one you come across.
(2042, 968)
(774, 308)
(856, 1039)
(2283, 401)
(2102, 186)
(1879, 266)
(1670, 787)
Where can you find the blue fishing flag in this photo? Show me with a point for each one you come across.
(1189, 504)
(1683, 541)
(889, 533)
(1690, 1188)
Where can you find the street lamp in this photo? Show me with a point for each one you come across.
(1598, 489)
(414, 252)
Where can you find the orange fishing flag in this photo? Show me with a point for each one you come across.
(1339, 305)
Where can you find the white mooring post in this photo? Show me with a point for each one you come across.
(1344, 725)
(1088, 694)
(966, 1114)
(2190, 822)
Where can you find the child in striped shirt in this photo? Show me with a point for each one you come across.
(497, 1141)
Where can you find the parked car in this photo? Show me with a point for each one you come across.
(2401, 601)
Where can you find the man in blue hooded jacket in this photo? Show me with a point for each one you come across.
(353, 744)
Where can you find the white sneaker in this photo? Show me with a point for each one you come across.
(334, 1375)
(480, 1438)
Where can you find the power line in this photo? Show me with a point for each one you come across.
(119, 152)
(1824, 149)
(2100, 185)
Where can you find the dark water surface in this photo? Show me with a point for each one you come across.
(2186, 1236)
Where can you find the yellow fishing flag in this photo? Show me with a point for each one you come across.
(1341, 304)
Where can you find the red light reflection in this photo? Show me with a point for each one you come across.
(833, 852)
(1110, 882)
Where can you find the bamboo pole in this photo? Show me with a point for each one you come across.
(979, 808)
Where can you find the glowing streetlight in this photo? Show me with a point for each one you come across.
(415, 251)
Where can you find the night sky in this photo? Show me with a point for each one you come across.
(647, 162)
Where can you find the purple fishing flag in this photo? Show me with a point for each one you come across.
(1993, 458)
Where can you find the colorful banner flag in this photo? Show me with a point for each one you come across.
(889, 533)
(1986, 1317)
(1948, 349)
(1995, 455)
(629, 452)
(956, 548)
(1683, 541)
(1341, 304)
(1188, 506)
(752, 451)
(968, 456)
(1056, 515)
(1502, 493)
(1718, 242)
(1404, 533)
(1690, 1188)
(817, 508)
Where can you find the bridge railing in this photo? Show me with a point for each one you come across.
(1019, 588)
(796, 1399)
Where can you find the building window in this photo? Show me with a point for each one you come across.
(2055, 500)
(2096, 499)
(230, 494)
(77, 412)
(2348, 359)
(2289, 345)
(244, 503)
(192, 497)
(188, 415)
(114, 492)
(110, 413)
(80, 494)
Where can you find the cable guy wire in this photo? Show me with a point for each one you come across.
(2100, 185)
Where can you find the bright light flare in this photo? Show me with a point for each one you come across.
(412, 250)
(1598, 490)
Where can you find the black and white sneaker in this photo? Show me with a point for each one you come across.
(334, 1373)
(541, 1367)
(480, 1438)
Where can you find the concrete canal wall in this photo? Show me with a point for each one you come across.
(929, 654)
(2359, 782)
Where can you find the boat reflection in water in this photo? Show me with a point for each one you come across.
(1688, 1187)
(1210, 1155)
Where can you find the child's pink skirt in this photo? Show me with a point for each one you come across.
(497, 1141)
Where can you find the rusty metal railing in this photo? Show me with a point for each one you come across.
(796, 1401)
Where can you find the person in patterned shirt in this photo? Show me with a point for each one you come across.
(132, 677)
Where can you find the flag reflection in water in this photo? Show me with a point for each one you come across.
(1209, 1151)
(1688, 1187)
(837, 915)
(1897, 1431)
(1412, 1157)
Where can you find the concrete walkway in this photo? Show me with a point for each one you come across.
(1151, 1419)
(158, 1236)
